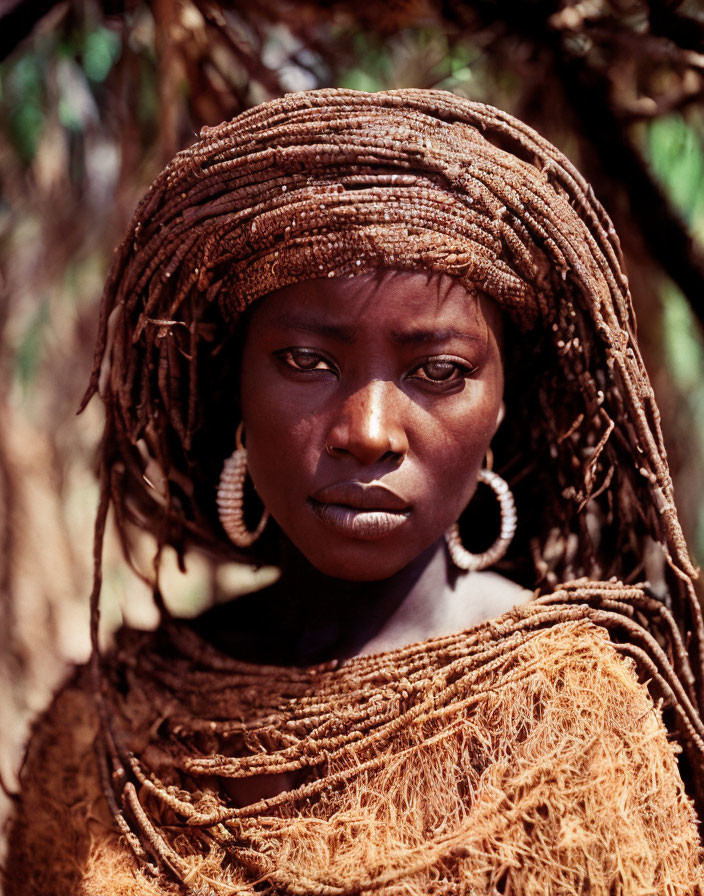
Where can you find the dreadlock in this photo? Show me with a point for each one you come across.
(336, 183)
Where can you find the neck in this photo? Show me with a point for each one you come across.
(335, 618)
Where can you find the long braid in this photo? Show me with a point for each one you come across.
(339, 183)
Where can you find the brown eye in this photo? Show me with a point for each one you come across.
(304, 360)
(440, 371)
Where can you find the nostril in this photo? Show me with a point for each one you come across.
(367, 452)
(398, 444)
(368, 426)
(333, 450)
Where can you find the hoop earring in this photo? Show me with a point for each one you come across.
(459, 555)
(231, 498)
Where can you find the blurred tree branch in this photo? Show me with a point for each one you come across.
(667, 19)
(665, 233)
(18, 18)
(583, 42)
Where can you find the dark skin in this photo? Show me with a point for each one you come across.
(368, 406)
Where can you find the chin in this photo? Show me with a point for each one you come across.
(359, 565)
(340, 555)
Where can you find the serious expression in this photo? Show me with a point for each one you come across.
(368, 406)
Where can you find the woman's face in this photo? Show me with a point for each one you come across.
(368, 406)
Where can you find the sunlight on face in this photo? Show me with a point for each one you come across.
(368, 405)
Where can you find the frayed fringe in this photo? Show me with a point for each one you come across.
(553, 774)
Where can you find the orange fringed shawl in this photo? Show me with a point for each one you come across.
(523, 756)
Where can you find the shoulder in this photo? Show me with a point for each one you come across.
(582, 771)
(588, 628)
(62, 839)
(484, 595)
(59, 801)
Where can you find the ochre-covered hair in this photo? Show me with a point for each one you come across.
(337, 183)
(334, 183)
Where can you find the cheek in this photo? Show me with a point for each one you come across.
(451, 473)
(281, 441)
(456, 449)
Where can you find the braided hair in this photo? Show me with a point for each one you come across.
(336, 183)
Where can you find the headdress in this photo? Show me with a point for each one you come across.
(337, 183)
(334, 183)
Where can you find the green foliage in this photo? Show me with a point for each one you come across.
(101, 50)
(675, 148)
(682, 343)
(30, 82)
(22, 84)
(427, 57)
(684, 360)
(374, 72)
(28, 353)
(148, 98)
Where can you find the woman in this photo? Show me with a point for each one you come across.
(354, 297)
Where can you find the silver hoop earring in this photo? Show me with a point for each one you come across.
(231, 498)
(459, 555)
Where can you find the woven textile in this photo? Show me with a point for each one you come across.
(522, 756)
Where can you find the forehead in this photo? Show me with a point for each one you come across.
(402, 299)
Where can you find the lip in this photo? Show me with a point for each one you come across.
(359, 509)
(361, 496)
(366, 524)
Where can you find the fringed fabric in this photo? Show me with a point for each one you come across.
(521, 756)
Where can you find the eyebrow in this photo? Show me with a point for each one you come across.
(423, 336)
(347, 333)
(338, 332)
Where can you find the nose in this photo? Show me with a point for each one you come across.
(369, 425)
